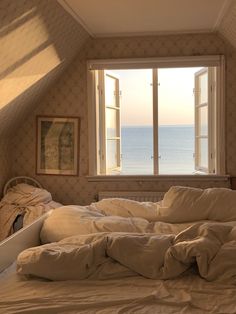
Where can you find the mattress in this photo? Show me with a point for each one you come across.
(187, 294)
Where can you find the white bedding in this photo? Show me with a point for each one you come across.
(211, 245)
(180, 207)
(188, 294)
(154, 256)
(26, 200)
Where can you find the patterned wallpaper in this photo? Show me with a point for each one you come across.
(5, 165)
(69, 97)
(228, 24)
(38, 40)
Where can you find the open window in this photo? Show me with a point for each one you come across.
(160, 89)
(109, 121)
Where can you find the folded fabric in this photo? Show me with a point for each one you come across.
(180, 207)
(109, 255)
(182, 204)
(26, 200)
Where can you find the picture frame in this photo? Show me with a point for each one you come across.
(57, 145)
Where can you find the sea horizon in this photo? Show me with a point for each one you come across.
(176, 149)
(160, 125)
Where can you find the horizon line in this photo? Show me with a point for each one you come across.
(150, 125)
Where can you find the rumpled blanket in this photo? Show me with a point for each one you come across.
(180, 208)
(209, 246)
(23, 199)
(180, 204)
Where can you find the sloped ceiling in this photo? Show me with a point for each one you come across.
(38, 39)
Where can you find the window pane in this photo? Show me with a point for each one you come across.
(137, 149)
(203, 85)
(203, 152)
(176, 120)
(111, 125)
(176, 149)
(136, 121)
(203, 120)
(110, 91)
(112, 154)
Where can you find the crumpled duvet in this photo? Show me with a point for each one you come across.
(23, 199)
(180, 208)
(114, 238)
(209, 246)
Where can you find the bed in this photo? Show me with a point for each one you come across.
(47, 283)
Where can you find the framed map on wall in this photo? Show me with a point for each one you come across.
(57, 148)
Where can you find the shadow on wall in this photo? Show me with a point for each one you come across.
(27, 49)
(37, 37)
(21, 105)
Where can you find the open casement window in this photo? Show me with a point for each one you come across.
(204, 91)
(207, 128)
(108, 86)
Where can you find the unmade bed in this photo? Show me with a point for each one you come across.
(97, 260)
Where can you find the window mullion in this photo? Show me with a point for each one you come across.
(102, 123)
(155, 120)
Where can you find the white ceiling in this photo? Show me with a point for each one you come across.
(136, 17)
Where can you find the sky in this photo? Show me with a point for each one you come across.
(175, 96)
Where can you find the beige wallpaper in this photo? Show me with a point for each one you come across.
(69, 97)
(5, 165)
(38, 39)
(228, 24)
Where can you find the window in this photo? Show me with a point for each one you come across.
(156, 116)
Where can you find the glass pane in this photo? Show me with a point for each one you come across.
(176, 120)
(203, 162)
(110, 91)
(203, 120)
(137, 149)
(111, 118)
(136, 121)
(203, 85)
(112, 154)
(176, 149)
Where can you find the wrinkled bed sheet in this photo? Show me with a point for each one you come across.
(188, 294)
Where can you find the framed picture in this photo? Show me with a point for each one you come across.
(57, 148)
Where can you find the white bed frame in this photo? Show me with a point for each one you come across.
(19, 241)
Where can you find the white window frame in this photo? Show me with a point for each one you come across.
(102, 116)
(144, 63)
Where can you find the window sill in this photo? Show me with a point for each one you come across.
(141, 178)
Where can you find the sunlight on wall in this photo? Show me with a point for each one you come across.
(19, 80)
(27, 55)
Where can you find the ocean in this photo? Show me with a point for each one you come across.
(176, 149)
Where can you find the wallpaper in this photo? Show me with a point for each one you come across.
(69, 97)
(5, 166)
(228, 25)
(38, 40)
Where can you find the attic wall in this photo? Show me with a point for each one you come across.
(69, 98)
(38, 40)
(228, 25)
(5, 164)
